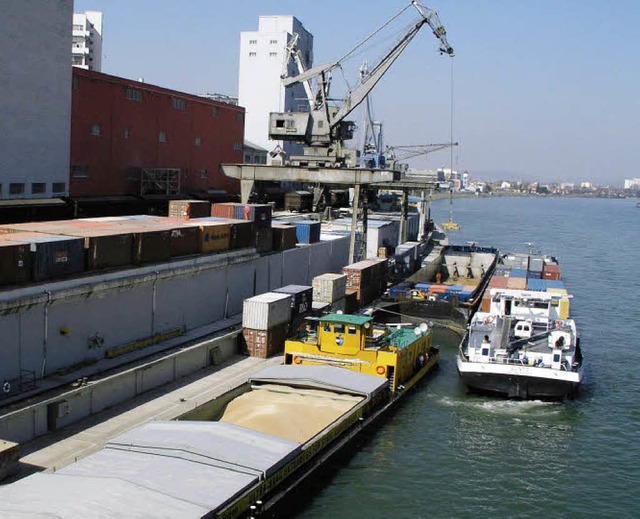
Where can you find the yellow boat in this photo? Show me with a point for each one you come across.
(401, 355)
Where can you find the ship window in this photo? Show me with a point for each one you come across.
(352, 330)
(556, 357)
(485, 351)
(338, 328)
(326, 327)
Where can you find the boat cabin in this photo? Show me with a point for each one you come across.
(352, 342)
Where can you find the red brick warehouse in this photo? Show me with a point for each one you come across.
(121, 126)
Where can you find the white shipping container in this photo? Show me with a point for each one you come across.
(264, 311)
(328, 288)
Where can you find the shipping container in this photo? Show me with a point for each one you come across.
(284, 237)
(536, 285)
(518, 273)
(107, 251)
(264, 239)
(187, 209)
(534, 275)
(329, 287)
(498, 282)
(52, 256)
(267, 310)
(301, 201)
(184, 241)
(260, 214)
(15, 263)
(551, 271)
(536, 263)
(215, 237)
(517, 283)
(516, 261)
(301, 298)
(307, 231)
(241, 233)
(264, 343)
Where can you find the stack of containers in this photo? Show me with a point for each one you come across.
(367, 279)
(187, 209)
(307, 231)
(265, 323)
(103, 248)
(284, 237)
(259, 214)
(330, 288)
(301, 302)
(241, 233)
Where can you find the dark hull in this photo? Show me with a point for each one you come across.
(422, 311)
(513, 386)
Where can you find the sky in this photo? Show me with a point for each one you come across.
(544, 90)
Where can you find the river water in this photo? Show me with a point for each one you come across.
(446, 453)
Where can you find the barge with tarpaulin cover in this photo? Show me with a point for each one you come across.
(235, 456)
(523, 343)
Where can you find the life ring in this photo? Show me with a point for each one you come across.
(297, 360)
(6, 387)
(558, 323)
(489, 319)
(381, 370)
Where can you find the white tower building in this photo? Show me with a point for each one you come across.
(87, 40)
(35, 98)
(263, 58)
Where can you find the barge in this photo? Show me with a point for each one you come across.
(234, 456)
(448, 287)
(524, 345)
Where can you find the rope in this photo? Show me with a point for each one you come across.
(373, 34)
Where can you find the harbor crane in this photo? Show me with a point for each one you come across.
(323, 128)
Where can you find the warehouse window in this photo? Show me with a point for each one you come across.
(274, 42)
(162, 137)
(58, 187)
(80, 171)
(252, 54)
(204, 173)
(215, 111)
(95, 130)
(198, 141)
(253, 42)
(237, 146)
(239, 117)
(74, 82)
(273, 54)
(16, 188)
(178, 104)
(133, 95)
(125, 133)
(37, 188)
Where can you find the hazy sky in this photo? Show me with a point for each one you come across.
(543, 90)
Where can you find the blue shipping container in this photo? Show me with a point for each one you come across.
(307, 232)
(518, 273)
(536, 285)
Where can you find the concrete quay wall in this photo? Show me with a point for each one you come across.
(50, 329)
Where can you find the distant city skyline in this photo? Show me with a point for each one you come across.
(542, 90)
